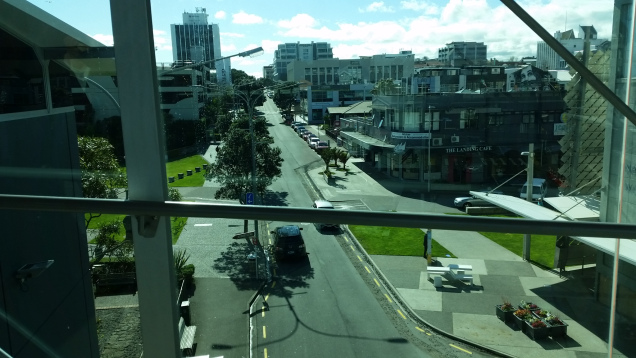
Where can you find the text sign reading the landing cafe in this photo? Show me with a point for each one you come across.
(472, 148)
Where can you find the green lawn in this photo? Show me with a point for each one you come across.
(182, 166)
(378, 240)
(176, 224)
(542, 246)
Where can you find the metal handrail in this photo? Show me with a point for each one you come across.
(295, 214)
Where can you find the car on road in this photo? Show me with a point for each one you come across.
(298, 128)
(539, 189)
(296, 124)
(324, 204)
(468, 201)
(288, 242)
(312, 142)
(301, 132)
(321, 146)
(305, 135)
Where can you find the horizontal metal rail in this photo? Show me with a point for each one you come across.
(295, 214)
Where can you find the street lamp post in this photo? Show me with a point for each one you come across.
(529, 178)
(430, 138)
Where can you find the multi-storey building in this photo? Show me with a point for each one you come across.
(268, 72)
(195, 40)
(289, 52)
(463, 53)
(453, 79)
(336, 82)
(548, 59)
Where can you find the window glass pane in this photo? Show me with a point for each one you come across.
(230, 138)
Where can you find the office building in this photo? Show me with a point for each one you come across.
(289, 52)
(463, 53)
(195, 40)
(548, 59)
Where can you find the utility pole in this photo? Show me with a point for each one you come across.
(529, 178)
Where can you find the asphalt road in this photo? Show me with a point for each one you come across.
(318, 307)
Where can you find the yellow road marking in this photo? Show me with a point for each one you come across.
(264, 332)
(388, 298)
(347, 240)
(359, 258)
(265, 352)
(401, 314)
(421, 330)
(352, 248)
(369, 271)
(376, 282)
(273, 284)
(461, 349)
(262, 312)
(266, 297)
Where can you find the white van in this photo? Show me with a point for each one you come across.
(539, 189)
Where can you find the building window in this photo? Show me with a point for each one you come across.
(495, 71)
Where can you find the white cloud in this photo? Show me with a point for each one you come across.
(228, 49)
(244, 18)
(232, 34)
(301, 21)
(270, 46)
(377, 6)
(220, 15)
(105, 39)
(162, 40)
(430, 28)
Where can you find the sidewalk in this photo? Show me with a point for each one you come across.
(468, 312)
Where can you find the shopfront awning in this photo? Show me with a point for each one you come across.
(365, 141)
(531, 210)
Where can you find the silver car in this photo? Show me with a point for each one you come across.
(468, 201)
(324, 204)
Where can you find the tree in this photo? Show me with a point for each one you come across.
(326, 157)
(101, 176)
(384, 87)
(343, 156)
(233, 165)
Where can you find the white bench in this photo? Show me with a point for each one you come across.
(462, 277)
(186, 337)
(460, 269)
(436, 270)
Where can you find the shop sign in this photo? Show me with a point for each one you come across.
(471, 148)
(400, 135)
(560, 128)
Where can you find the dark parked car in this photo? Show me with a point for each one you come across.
(288, 242)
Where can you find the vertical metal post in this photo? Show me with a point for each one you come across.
(430, 139)
(529, 180)
(143, 134)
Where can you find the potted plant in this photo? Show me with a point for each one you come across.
(541, 314)
(528, 306)
(556, 326)
(536, 329)
(521, 316)
(504, 311)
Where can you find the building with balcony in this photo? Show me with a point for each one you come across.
(335, 82)
(289, 52)
(462, 53)
(476, 140)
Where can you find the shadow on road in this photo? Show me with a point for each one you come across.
(276, 198)
(235, 264)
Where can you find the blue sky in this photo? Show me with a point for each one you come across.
(353, 28)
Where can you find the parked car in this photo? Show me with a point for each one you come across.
(468, 201)
(298, 128)
(321, 146)
(296, 124)
(324, 204)
(539, 189)
(305, 135)
(288, 242)
(302, 131)
(311, 141)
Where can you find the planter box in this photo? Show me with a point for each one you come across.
(556, 331)
(180, 175)
(197, 169)
(536, 333)
(521, 323)
(535, 313)
(504, 316)
(530, 309)
(189, 171)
